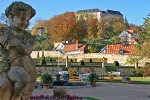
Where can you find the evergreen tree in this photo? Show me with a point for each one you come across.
(127, 26)
(144, 39)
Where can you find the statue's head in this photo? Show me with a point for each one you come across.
(16, 7)
(19, 14)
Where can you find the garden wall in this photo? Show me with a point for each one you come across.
(110, 57)
(81, 69)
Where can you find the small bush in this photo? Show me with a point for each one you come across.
(71, 60)
(43, 61)
(110, 68)
(62, 59)
(50, 59)
(59, 93)
(94, 59)
(115, 63)
(90, 60)
(81, 62)
(64, 69)
(146, 64)
(37, 54)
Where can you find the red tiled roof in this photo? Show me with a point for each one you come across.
(40, 27)
(130, 31)
(133, 40)
(72, 47)
(115, 48)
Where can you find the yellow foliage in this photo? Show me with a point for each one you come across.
(71, 72)
(33, 32)
(91, 49)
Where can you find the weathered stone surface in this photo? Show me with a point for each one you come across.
(17, 70)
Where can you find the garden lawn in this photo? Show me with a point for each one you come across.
(140, 80)
(134, 80)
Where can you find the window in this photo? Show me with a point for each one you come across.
(121, 52)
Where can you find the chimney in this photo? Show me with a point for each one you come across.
(77, 45)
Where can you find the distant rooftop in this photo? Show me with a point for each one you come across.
(97, 10)
(89, 10)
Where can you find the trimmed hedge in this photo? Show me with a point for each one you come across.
(146, 64)
(64, 69)
(94, 59)
(110, 68)
(50, 59)
(115, 63)
(90, 60)
(81, 62)
(43, 61)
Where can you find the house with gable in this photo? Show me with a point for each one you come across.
(130, 36)
(121, 49)
(126, 48)
(70, 47)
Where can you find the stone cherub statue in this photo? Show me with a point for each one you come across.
(17, 68)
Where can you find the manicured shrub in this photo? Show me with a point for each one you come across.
(81, 62)
(71, 60)
(50, 59)
(110, 68)
(37, 54)
(90, 60)
(64, 69)
(42, 53)
(59, 93)
(94, 59)
(62, 59)
(115, 63)
(146, 64)
(43, 61)
(141, 72)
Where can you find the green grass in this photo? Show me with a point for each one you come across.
(140, 80)
(134, 80)
(90, 98)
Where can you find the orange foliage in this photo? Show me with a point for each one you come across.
(63, 26)
(92, 26)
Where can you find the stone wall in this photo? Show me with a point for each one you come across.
(100, 71)
(110, 57)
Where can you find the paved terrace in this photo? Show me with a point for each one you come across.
(107, 91)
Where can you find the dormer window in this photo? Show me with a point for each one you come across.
(121, 52)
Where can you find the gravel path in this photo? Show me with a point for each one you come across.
(108, 91)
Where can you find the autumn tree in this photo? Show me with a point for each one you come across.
(134, 27)
(144, 39)
(92, 27)
(43, 41)
(115, 39)
(108, 27)
(2, 25)
(3, 20)
(81, 30)
(65, 27)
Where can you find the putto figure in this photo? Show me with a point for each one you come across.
(17, 67)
